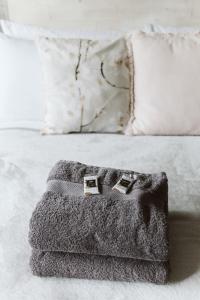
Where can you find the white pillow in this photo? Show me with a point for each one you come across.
(173, 29)
(86, 85)
(32, 32)
(166, 83)
(20, 90)
(21, 102)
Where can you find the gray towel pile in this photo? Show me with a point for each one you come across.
(110, 236)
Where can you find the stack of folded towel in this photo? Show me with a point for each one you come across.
(110, 236)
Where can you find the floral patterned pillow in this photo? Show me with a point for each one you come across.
(86, 85)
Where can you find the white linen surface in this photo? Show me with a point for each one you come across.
(25, 160)
(21, 104)
(30, 32)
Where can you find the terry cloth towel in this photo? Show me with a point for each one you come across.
(111, 236)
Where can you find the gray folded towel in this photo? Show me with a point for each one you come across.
(107, 236)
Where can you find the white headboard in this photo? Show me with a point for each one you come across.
(102, 14)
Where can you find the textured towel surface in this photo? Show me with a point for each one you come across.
(111, 230)
(73, 265)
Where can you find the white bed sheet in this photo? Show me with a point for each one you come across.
(25, 160)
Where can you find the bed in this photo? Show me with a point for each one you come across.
(25, 160)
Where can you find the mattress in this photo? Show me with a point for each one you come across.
(25, 161)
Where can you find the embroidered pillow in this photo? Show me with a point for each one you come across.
(86, 85)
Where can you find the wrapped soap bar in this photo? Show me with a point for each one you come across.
(91, 185)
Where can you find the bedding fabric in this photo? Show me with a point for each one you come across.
(166, 83)
(25, 161)
(174, 29)
(105, 236)
(86, 85)
(21, 103)
(30, 32)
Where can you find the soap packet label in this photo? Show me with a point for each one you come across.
(124, 184)
(91, 186)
